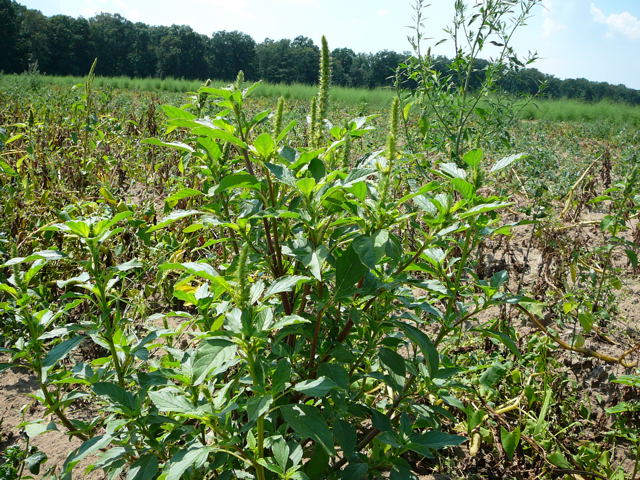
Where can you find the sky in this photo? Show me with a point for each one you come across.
(594, 39)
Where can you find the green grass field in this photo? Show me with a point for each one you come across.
(369, 99)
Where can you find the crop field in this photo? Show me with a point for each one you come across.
(285, 282)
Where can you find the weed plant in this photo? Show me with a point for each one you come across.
(232, 287)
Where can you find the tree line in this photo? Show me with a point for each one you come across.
(64, 45)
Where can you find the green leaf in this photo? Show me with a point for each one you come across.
(394, 363)
(306, 185)
(7, 169)
(171, 399)
(318, 387)
(281, 375)
(175, 112)
(473, 157)
(177, 145)
(185, 459)
(509, 441)
(181, 194)
(308, 422)
(286, 321)
(264, 145)
(144, 468)
(47, 255)
(285, 284)
(492, 375)
(435, 439)
(117, 395)
(238, 180)
(559, 460)
(87, 448)
(59, 352)
(258, 405)
(218, 134)
(424, 343)
(346, 436)
(126, 266)
(199, 269)
(372, 249)
(33, 462)
(452, 170)
(485, 207)
(213, 357)
(173, 217)
(280, 451)
(506, 340)
(349, 270)
(465, 188)
(33, 429)
(506, 161)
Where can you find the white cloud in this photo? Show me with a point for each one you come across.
(550, 26)
(624, 23)
(383, 12)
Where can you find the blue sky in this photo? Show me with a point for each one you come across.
(594, 39)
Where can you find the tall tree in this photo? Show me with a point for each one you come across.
(10, 20)
(230, 52)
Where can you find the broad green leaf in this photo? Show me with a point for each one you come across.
(59, 352)
(34, 461)
(264, 145)
(199, 269)
(281, 375)
(346, 436)
(485, 207)
(7, 169)
(349, 270)
(308, 422)
(473, 157)
(177, 145)
(285, 284)
(318, 387)
(492, 375)
(394, 363)
(171, 200)
(218, 134)
(306, 185)
(33, 429)
(435, 439)
(117, 395)
(506, 161)
(424, 343)
(87, 448)
(173, 217)
(509, 440)
(238, 180)
(258, 405)
(145, 468)
(175, 112)
(185, 459)
(171, 399)
(506, 340)
(286, 321)
(465, 188)
(559, 460)
(47, 255)
(130, 265)
(280, 451)
(452, 170)
(214, 356)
